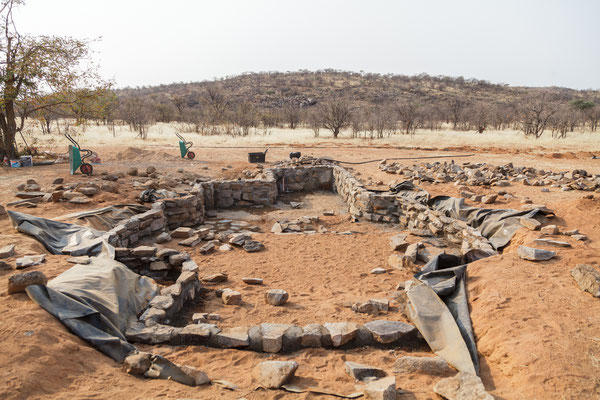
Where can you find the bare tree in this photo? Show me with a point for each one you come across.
(37, 73)
(292, 114)
(408, 114)
(315, 123)
(534, 114)
(457, 107)
(479, 116)
(335, 116)
(217, 104)
(137, 113)
(245, 117)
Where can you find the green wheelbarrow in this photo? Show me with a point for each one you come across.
(184, 147)
(77, 155)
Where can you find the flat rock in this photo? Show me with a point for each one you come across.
(549, 230)
(159, 266)
(462, 386)
(84, 260)
(398, 242)
(214, 278)
(29, 195)
(239, 239)
(200, 378)
(253, 246)
(550, 242)
(276, 297)
(252, 281)
(530, 223)
(191, 241)
(341, 332)
(144, 251)
(533, 254)
(587, 278)
(7, 251)
(381, 389)
(362, 372)
(80, 200)
(225, 247)
(377, 271)
(233, 338)
(385, 331)
(182, 232)
(30, 261)
(231, 297)
(18, 282)
(436, 366)
(273, 374)
(207, 248)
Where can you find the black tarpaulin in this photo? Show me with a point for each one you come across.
(106, 218)
(97, 302)
(497, 225)
(439, 308)
(61, 237)
(409, 190)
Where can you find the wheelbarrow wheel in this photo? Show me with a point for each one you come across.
(191, 155)
(86, 169)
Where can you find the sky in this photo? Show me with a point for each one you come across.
(148, 42)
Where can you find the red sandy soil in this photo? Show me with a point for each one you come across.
(537, 333)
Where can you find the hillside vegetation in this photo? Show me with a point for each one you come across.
(369, 105)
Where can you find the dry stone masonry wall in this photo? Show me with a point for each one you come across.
(387, 207)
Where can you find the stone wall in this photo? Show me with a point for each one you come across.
(387, 207)
(224, 194)
(130, 231)
(186, 210)
(295, 179)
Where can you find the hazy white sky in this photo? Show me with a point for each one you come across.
(148, 42)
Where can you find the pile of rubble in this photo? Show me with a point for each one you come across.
(483, 174)
(223, 235)
(305, 161)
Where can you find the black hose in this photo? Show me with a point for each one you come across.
(399, 158)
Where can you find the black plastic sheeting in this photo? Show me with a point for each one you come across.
(497, 225)
(446, 275)
(61, 237)
(97, 302)
(106, 218)
(409, 190)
